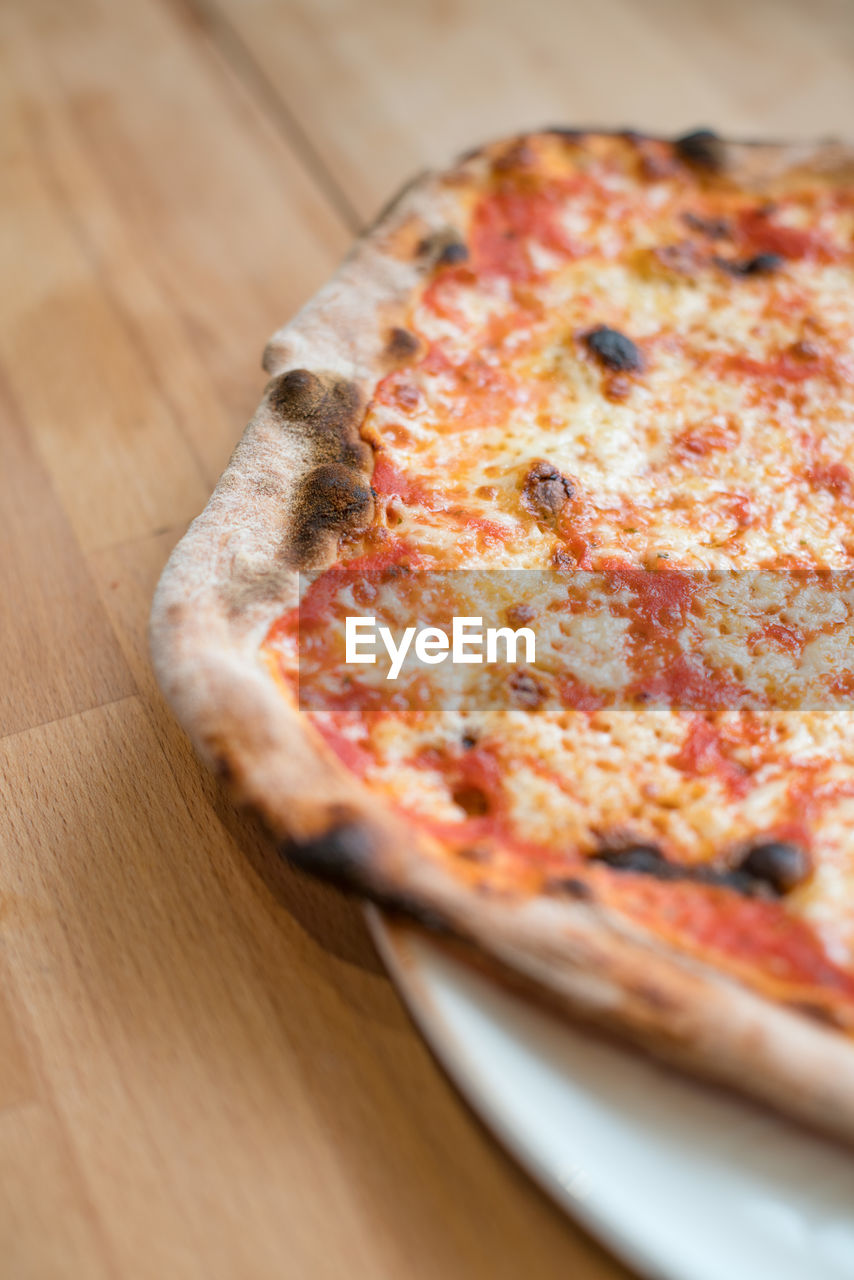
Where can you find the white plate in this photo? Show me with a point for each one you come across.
(682, 1181)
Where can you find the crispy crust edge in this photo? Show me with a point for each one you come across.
(299, 477)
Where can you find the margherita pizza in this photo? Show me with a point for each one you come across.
(525, 601)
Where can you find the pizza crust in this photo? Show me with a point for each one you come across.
(298, 479)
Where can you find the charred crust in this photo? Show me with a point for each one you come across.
(472, 153)
(332, 497)
(296, 393)
(342, 854)
(357, 454)
(702, 149)
(326, 409)
(820, 1013)
(566, 131)
(345, 855)
(413, 909)
(223, 768)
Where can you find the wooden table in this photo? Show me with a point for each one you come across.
(203, 1070)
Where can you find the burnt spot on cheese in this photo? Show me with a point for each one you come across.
(468, 741)
(444, 248)
(702, 149)
(804, 350)
(453, 254)
(645, 858)
(713, 228)
(402, 345)
(776, 863)
(562, 559)
(545, 490)
(525, 690)
(613, 349)
(682, 259)
(761, 264)
(472, 800)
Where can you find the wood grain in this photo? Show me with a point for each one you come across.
(51, 621)
(424, 81)
(203, 1069)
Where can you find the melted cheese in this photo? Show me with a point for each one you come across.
(731, 448)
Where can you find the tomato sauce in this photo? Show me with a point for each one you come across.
(512, 217)
(752, 935)
(759, 233)
(702, 754)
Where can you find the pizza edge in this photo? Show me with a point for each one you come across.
(298, 479)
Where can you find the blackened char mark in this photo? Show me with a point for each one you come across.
(703, 149)
(613, 349)
(452, 254)
(714, 228)
(766, 870)
(342, 853)
(763, 264)
(402, 345)
(443, 248)
(777, 863)
(347, 855)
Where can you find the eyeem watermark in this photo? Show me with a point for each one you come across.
(469, 642)
(700, 640)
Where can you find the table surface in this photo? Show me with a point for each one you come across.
(203, 1069)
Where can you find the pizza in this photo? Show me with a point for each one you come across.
(524, 603)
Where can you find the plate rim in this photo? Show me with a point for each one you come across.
(390, 935)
